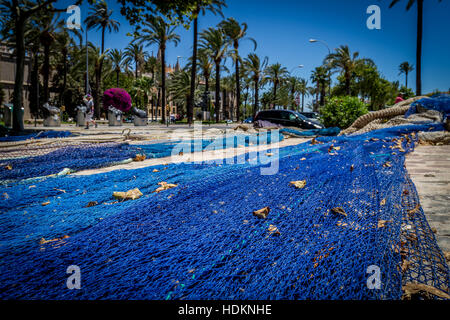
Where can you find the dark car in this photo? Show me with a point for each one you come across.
(288, 118)
(310, 115)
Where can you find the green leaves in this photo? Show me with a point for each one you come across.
(342, 111)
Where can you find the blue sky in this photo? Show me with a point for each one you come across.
(282, 29)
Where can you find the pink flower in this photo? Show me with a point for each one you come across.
(117, 98)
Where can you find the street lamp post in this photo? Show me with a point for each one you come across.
(329, 52)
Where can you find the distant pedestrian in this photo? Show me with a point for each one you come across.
(89, 110)
(399, 98)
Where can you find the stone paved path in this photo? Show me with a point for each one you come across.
(429, 168)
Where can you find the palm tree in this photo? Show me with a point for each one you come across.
(50, 25)
(180, 88)
(255, 67)
(276, 74)
(235, 33)
(117, 58)
(303, 89)
(158, 31)
(345, 62)
(214, 41)
(214, 6)
(100, 17)
(405, 68)
(419, 40)
(134, 53)
(320, 77)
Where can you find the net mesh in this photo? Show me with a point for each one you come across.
(200, 240)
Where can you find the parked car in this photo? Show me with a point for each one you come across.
(311, 115)
(288, 118)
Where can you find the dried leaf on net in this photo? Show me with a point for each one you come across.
(262, 213)
(339, 211)
(383, 202)
(314, 141)
(273, 230)
(413, 290)
(411, 212)
(45, 203)
(43, 241)
(63, 191)
(269, 154)
(387, 164)
(299, 184)
(8, 167)
(302, 159)
(352, 167)
(405, 265)
(91, 204)
(155, 170)
(139, 157)
(382, 223)
(447, 255)
(128, 195)
(164, 186)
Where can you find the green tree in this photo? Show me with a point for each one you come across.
(320, 77)
(342, 111)
(345, 62)
(236, 33)
(276, 74)
(419, 40)
(303, 90)
(214, 42)
(214, 6)
(15, 15)
(134, 53)
(158, 31)
(405, 68)
(117, 58)
(100, 18)
(255, 68)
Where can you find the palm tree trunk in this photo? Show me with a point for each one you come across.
(46, 71)
(190, 106)
(238, 90)
(406, 79)
(217, 104)
(255, 107)
(163, 83)
(103, 39)
(274, 92)
(117, 78)
(303, 101)
(18, 81)
(61, 96)
(419, 48)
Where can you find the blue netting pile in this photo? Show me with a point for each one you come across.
(166, 149)
(200, 239)
(333, 131)
(37, 135)
(79, 157)
(439, 102)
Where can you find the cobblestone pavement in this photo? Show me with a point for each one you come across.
(429, 168)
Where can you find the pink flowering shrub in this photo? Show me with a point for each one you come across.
(118, 98)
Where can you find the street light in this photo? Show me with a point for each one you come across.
(299, 66)
(329, 52)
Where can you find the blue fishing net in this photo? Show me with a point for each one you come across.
(37, 135)
(438, 102)
(200, 240)
(72, 157)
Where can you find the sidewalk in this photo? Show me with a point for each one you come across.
(429, 168)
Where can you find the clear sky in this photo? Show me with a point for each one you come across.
(282, 29)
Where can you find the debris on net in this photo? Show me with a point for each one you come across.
(262, 213)
(164, 186)
(128, 195)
